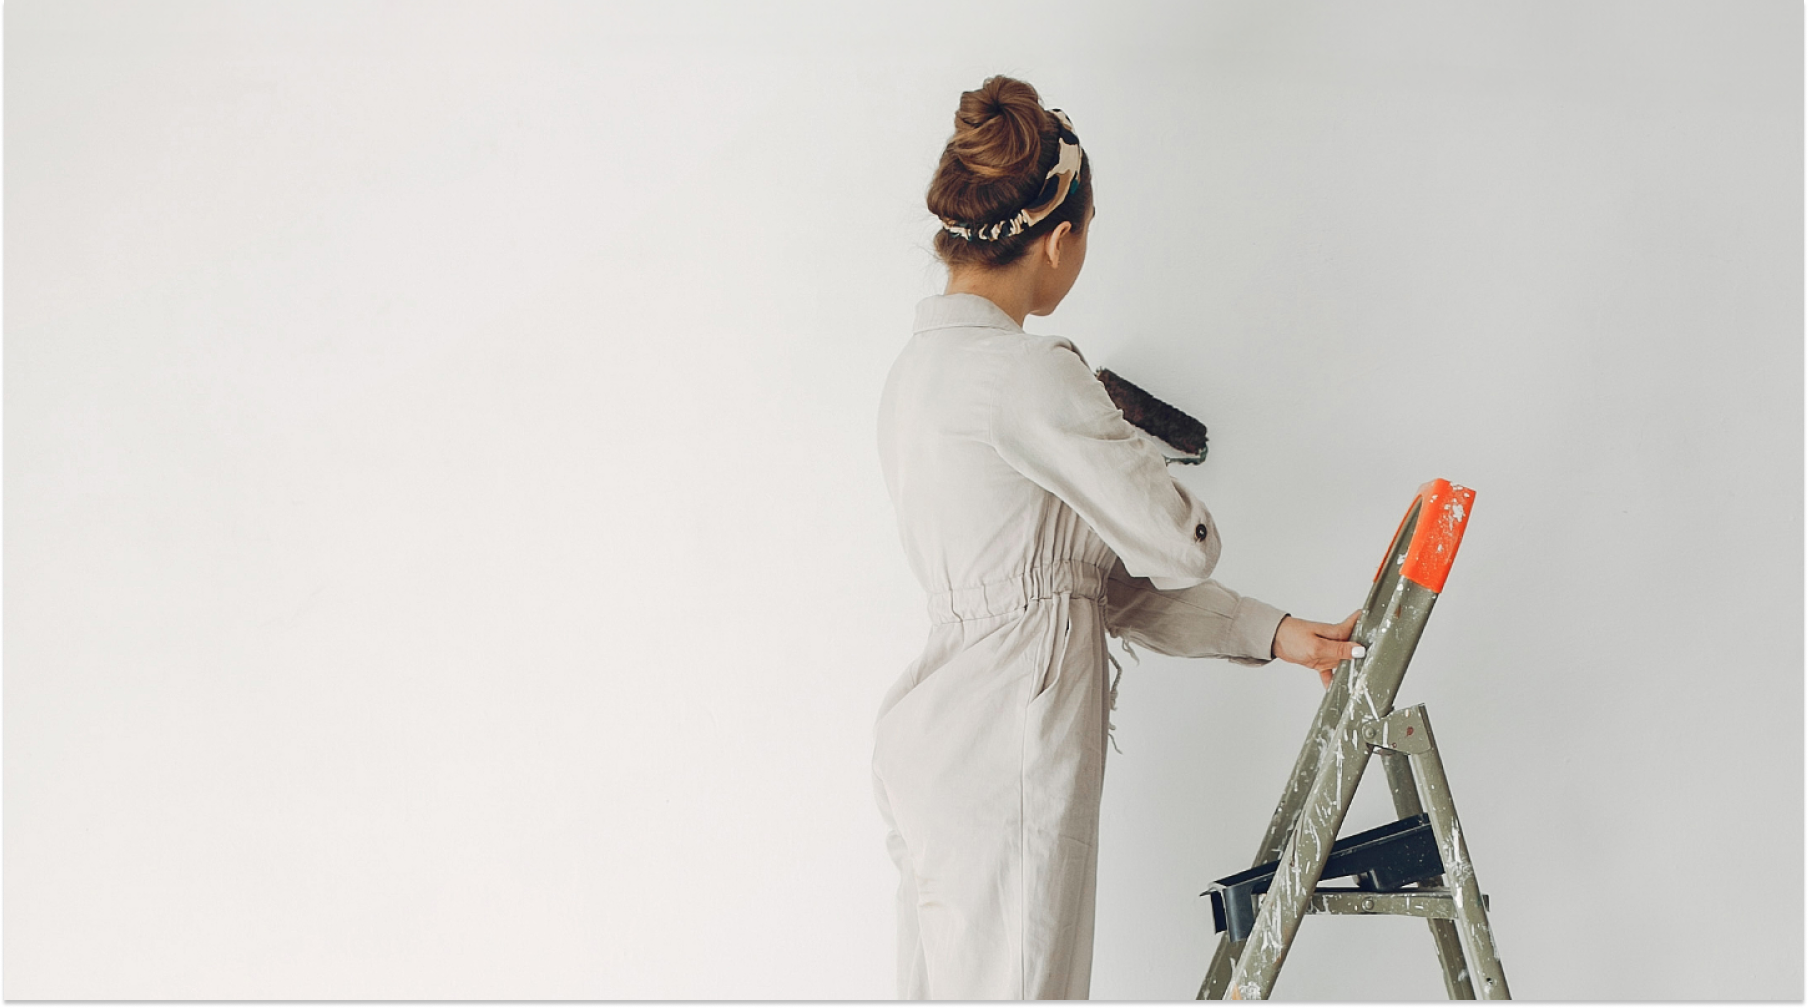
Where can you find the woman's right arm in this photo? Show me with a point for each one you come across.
(1056, 425)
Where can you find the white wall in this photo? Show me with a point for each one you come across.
(446, 554)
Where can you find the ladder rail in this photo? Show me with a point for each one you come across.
(1377, 680)
(1324, 728)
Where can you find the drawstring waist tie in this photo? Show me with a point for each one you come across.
(1007, 595)
(1075, 578)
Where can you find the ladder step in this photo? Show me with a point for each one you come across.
(1383, 859)
(1433, 903)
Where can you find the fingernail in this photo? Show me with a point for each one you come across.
(1359, 652)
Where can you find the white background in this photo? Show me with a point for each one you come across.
(446, 554)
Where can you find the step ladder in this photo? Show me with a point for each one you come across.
(1418, 866)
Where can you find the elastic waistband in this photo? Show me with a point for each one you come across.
(995, 598)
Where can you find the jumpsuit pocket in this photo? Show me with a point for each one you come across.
(1050, 672)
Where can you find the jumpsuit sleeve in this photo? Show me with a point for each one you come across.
(1207, 620)
(1057, 426)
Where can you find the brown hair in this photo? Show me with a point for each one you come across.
(996, 162)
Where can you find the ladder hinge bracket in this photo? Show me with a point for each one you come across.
(1403, 731)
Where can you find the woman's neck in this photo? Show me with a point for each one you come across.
(1010, 289)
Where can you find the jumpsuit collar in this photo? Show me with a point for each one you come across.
(950, 311)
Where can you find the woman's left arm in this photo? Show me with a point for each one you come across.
(1210, 621)
(1207, 620)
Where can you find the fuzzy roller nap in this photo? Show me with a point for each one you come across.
(1157, 418)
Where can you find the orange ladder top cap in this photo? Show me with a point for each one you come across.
(1443, 508)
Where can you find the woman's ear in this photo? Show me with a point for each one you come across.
(1053, 244)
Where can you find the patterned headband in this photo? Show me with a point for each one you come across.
(1063, 178)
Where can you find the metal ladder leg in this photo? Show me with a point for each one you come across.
(1443, 933)
(1471, 924)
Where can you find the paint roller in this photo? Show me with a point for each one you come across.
(1157, 419)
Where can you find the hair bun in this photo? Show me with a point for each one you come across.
(998, 129)
(996, 164)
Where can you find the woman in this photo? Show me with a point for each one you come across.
(1038, 521)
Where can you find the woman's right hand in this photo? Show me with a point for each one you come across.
(1315, 645)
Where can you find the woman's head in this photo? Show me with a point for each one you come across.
(997, 165)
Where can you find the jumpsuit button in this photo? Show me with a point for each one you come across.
(1199, 533)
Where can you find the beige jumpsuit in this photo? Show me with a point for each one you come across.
(1038, 521)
